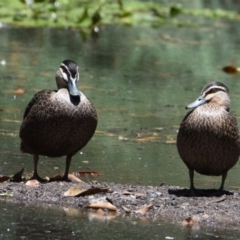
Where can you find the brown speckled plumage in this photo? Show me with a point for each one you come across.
(56, 124)
(208, 138)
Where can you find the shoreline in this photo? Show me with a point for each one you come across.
(167, 203)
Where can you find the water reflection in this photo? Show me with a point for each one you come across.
(27, 222)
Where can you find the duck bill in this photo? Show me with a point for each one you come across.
(200, 101)
(73, 88)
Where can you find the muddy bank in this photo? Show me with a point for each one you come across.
(162, 202)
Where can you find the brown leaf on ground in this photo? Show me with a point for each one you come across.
(72, 192)
(79, 192)
(137, 194)
(4, 179)
(87, 174)
(92, 191)
(17, 176)
(33, 183)
(126, 193)
(103, 205)
(144, 209)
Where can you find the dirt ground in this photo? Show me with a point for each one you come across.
(210, 208)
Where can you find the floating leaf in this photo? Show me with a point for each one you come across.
(4, 179)
(144, 209)
(18, 91)
(87, 174)
(231, 69)
(103, 205)
(11, 120)
(171, 141)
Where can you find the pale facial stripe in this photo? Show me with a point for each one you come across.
(214, 87)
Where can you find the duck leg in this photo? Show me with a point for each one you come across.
(191, 175)
(35, 173)
(224, 176)
(68, 161)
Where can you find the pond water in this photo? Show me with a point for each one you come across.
(32, 222)
(140, 80)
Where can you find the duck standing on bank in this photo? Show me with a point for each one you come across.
(208, 138)
(58, 123)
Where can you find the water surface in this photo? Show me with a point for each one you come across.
(140, 80)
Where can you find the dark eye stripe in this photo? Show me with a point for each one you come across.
(214, 90)
(65, 70)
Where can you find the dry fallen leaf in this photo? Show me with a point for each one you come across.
(103, 205)
(33, 183)
(144, 209)
(92, 191)
(126, 193)
(4, 179)
(17, 176)
(72, 192)
(79, 192)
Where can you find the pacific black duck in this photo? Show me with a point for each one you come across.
(208, 139)
(58, 123)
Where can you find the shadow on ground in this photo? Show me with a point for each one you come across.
(198, 192)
